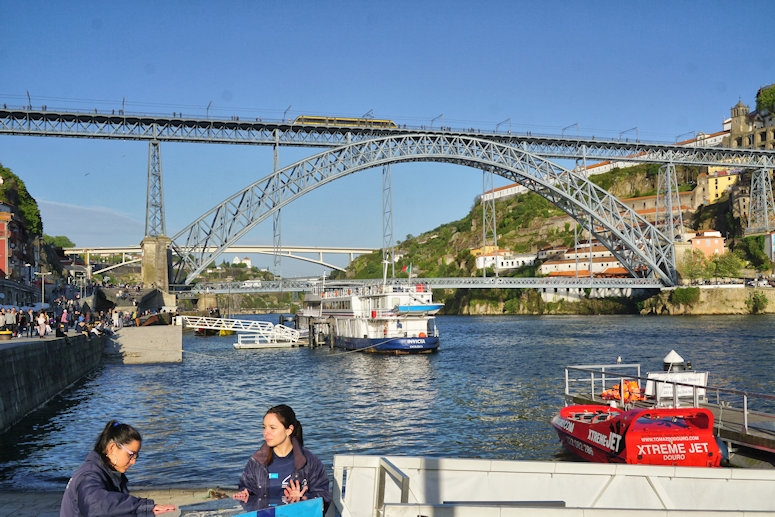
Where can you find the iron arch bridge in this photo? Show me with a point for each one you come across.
(642, 249)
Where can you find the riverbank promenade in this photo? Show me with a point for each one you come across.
(46, 504)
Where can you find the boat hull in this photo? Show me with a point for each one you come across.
(657, 436)
(398, 345)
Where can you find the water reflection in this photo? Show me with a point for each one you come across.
(489, 392)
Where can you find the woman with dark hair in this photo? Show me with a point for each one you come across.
(282, 471)
(99, 486)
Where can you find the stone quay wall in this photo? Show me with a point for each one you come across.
(34, 370)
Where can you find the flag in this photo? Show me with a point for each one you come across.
(407, 269)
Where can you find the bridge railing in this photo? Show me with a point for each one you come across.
(308, 285)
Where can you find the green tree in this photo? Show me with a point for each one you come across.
(751, 249)
(728, 265)
(14, 192)
(58, 241)
(692, 265)
(765, 99)
(757, 302)
(685, 295)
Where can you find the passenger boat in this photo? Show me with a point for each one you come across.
(653, 436)
(389, 318)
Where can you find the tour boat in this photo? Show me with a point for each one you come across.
(654, 436)
(389, 318)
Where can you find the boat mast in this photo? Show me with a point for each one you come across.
(387, 224)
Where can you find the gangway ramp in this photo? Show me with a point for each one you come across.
(250, 332)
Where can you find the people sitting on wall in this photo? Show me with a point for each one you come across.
(80, 325)
(98, 329)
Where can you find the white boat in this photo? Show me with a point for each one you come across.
(391, 318)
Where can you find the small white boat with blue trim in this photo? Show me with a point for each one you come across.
(387, 318)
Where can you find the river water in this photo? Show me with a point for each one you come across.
(488, 393)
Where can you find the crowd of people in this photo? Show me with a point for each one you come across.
(63, 315)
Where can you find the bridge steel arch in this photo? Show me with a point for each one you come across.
(641, 248)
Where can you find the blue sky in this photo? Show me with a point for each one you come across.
(598, 68)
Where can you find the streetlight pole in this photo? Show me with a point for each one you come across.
(42, 287)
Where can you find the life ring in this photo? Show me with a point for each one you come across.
(421, 334)
(384, 330)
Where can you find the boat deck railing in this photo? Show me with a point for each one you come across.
(746, 415)
(405, 486)
(345, 290)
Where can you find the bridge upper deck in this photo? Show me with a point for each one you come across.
(122, 125)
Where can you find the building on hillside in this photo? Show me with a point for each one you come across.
(575, 262)
(711, 186)
(17, 260)
(486, 250)
(551, 252)
(601, 267)
(714, 183)
(751, 130)
(505, 260)
(246, 260)
(646, 206)
(709, 242)
(699, 140)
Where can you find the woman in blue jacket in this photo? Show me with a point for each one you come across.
(282, 471)
(99, 486)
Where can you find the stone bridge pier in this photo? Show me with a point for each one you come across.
(157, 258)
(156, 265)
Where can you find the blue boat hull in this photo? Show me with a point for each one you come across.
(432, 308)
(399, 345)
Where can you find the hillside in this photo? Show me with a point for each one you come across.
(526, 223)
(14, 193)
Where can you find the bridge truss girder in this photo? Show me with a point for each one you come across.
(761, 206)
(155, 224)
(124, 126)
(637, 244)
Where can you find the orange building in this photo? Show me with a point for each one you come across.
(709, 242)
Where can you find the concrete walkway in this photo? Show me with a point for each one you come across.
(46, 504)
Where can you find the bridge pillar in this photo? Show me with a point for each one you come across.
(157, 258)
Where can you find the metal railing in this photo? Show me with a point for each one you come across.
(264, 329)
(599, 378)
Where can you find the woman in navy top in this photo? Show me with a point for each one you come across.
(282, 471)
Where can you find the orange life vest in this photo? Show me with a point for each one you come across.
(631, 392)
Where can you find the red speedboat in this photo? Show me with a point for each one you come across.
(656, 436)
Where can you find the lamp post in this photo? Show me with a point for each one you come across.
(42, 287)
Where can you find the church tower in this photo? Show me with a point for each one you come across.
(740, 123)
